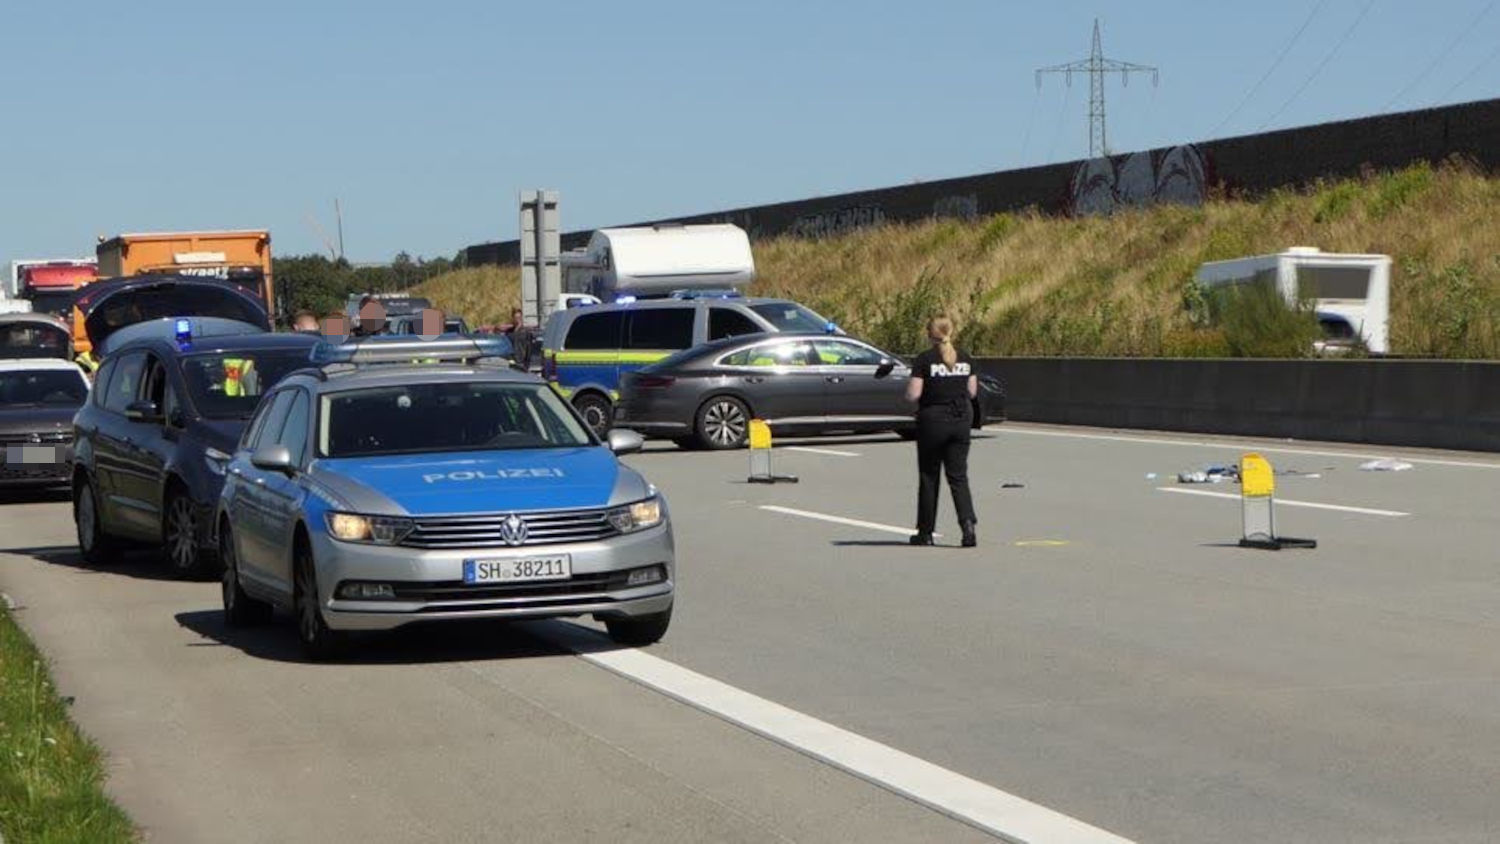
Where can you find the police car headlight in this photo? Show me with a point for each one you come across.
(638, 516)
(216, 460)
(380, 530)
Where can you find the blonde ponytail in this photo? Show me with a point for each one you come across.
(940, 330)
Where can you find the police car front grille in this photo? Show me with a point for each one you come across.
(483, 531)
(44, 438)
(456, 594)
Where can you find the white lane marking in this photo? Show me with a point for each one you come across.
(829, 451)
(1368, 511)
(839, 520)
(988, 808)
(1242, 444)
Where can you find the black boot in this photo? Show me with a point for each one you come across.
(920, 539)
(969, 540)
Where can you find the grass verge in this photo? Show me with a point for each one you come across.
(51, 775)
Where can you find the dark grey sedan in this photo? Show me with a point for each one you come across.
(800, 383)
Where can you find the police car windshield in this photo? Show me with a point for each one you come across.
(445, 417)
(42, 386)
(228, 385)
(790, 317)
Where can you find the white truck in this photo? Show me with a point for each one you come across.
(655, 261)
(1350, 293)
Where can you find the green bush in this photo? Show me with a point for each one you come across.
(1393, 191)
(1258, 323)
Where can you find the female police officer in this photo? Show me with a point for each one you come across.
(943, 386)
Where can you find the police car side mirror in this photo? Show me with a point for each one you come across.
(143, 411)
(885, 368)
(621, 441)
(273, 458)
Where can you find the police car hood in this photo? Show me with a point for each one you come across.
(481, 481)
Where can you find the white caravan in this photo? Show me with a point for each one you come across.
(1350, 293)
(654, 261)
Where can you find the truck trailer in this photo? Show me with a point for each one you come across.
(242, 258)
(49, 285)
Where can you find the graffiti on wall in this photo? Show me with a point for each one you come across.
(1176, 175)
(829, 223)
(965, 207)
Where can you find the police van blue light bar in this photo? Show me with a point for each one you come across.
(183, 329)
(714, 293)
(407, 350)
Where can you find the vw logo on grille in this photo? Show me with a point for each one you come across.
(513, 530)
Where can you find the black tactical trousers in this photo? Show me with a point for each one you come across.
(943, 447)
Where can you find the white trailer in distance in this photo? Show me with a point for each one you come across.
(648, 261)
(1350, 293)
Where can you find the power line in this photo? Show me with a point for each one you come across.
(1272, 69)
(1321, 65)
(1442, 54)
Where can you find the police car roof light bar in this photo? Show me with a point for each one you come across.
(707, 293)
(403, 350)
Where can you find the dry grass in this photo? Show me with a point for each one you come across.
(1025, 284)
(482, 295)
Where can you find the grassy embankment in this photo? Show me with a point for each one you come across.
(1024, 284)
(51, 776)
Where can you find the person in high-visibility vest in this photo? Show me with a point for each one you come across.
(87, 362)
(240, 378)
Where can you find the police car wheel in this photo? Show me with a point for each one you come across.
(596, 412)
(240, 610)
(723, 423)
(318, 641)
(96, 546)
(184, 555)
(639, 631)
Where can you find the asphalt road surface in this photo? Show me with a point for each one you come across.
(1105, 666)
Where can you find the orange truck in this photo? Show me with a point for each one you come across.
(241, 258)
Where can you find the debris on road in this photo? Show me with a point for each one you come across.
(1385, 465)
(1209, 475)
(1012, 485)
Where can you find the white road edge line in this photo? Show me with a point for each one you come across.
(828, 451)
(1241, 444)
(839, 520)
(967, 800)
(1367, 511)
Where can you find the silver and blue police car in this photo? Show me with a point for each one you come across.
(405, 481)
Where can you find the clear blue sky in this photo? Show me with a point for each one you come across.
(426, 118)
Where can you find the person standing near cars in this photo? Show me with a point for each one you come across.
(521, 338)
(943, 386)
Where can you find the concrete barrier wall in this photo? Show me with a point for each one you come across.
(1430, 404)
(1183, 174)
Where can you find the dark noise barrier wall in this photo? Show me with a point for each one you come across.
(1430, 404)
(1251, 164)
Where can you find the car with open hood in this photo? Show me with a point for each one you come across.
(374, 492)
(169, 403)
(108, 305)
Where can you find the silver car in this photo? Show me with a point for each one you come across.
(372, 494)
